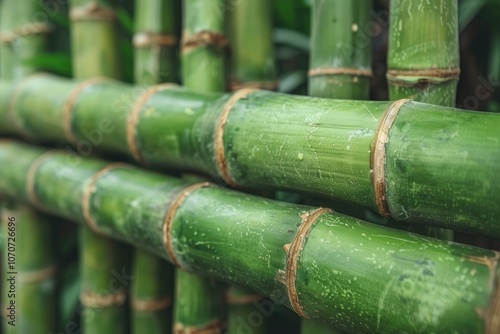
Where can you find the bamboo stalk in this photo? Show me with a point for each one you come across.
(198, 301)
(340, 65)
(361, 277)
(155, 62)
(94, 39)
(317, 327)
(33, 272)
(252, 50)
(244, 316)
(328, 145)
(155, 41)
(105, 280)
(423, 55)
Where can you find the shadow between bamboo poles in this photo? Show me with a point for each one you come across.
(103, 296)
(155, 46)
(282, 250)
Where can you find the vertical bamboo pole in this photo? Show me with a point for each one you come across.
(340, 68)
(252, 66)
(423, 56)
(105, 279)
(155, 62)
(32, 237)
(198, 301)
(340, 64)
(424, 59)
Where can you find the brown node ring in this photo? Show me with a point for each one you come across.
(293, 251)
(87, 192)
(434, 75)
(94, 300)
(147, 39)
(92, 12)
(151, 305)
(35, 276)
(133, 118)
(242, 300)
(339, 71)
(31, 176)
(220, 154)
(378, 156)
(213, 327)
(169, 219)
(11, 111)
(203, 38)
(25, 30)
(70, 104)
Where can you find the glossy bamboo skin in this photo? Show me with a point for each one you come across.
(341, 41)
(434, 157)
(423, 36)
(35, 268)
(361, 277)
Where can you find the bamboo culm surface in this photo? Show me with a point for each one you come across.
(423, 56)
(361, 277)
(414, 162)
(30, 248)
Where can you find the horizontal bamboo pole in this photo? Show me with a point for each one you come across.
(414, 162)
(326, 266)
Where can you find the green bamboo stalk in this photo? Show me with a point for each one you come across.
(434, 155)
(423, 56)
(340, 64)
(103, 294)
(155, 62)
(31, 237)
(204, 43)
(252, 50)
(94, 39)
(244, 316)
(198, 301)
(155, 40)
(361, 277)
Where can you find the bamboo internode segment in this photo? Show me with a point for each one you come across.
(434, 155)
(349, 272)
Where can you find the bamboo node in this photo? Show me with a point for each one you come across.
(31, 178)
(491, 315)
(148, 39)
(298, 242)
(16, 122)
(203, 38)
(378, 156)
(25, 30)
(92, 11)
(214, 327)
(133, 118)
(266, 85)
(36, 276)
(339, 71)
(220, 154)
(70, 104)
(169, 219)
(422, 77)
(94, 300)
(90, 188)
(242, 300)
(151, 305)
